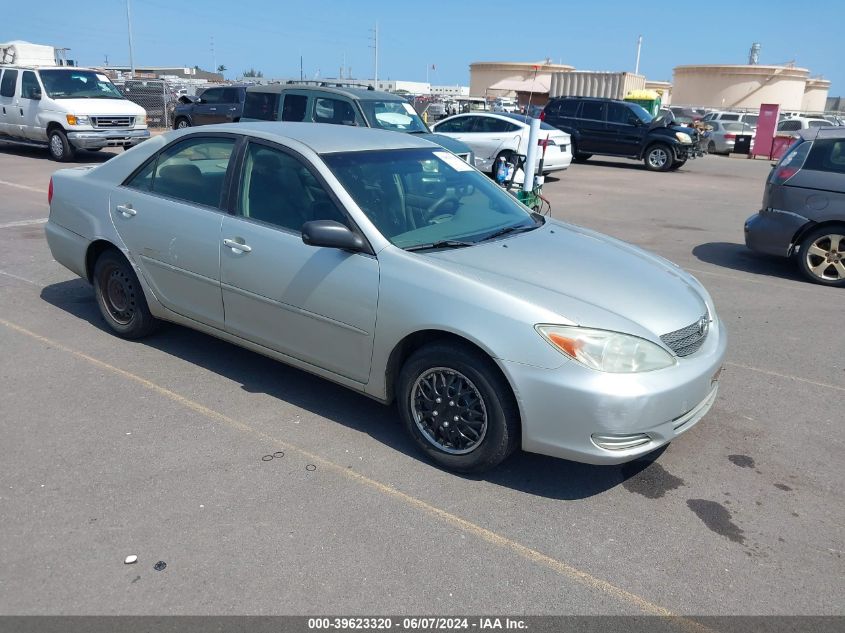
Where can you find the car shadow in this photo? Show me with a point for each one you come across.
(621, 164)
(525, 472)
(82, 157)
(740, 257)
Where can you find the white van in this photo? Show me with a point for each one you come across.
(65, 109)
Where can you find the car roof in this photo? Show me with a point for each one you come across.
(594, 99)
(362, 94)
(834, 131)
(324, 138)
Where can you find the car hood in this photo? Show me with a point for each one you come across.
(100, 107)
(453, 145)
(587, 278)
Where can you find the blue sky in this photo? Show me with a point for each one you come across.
(599, 35)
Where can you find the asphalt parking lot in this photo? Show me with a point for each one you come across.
(154, 448)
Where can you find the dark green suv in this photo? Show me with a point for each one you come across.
(608, 127)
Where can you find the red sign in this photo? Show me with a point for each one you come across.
(766, 125)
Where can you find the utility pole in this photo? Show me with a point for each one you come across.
(639, 46)
(131, 54)
(213, 57)
(375, 56)
(301, 75)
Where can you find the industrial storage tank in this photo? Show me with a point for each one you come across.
(815, 95)
(739, 86)
(583, 83)
(516, 75)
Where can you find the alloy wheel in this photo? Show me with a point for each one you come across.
(449, 410)
(825, 257)
(657, 157)
(56, 146)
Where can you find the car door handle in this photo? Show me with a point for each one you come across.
(212, 109)
(126, 210)
(236, 246)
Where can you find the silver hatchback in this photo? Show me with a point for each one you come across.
(387, 264)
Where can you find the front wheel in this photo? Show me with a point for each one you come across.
(677, 165)
(658, 157)
(60, 148)
(458, 408)
(822, 255)
(182, 123)
(120, 297)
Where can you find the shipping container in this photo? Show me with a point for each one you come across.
(595, 84)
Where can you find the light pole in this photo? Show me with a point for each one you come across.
(129, 27)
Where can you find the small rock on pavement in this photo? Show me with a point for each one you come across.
(130, 559)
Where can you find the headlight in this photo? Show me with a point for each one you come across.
(683, 137)
(141, 119)
(602, 350)
(72, 119)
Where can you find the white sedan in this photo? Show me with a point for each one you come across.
(495, 135)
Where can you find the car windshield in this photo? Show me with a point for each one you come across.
(819, 123)
(421, 198)
(398, 116)
(78, 84)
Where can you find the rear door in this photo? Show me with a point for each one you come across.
(315, 304)
(592, 125)
(490, 135)
(169, 215)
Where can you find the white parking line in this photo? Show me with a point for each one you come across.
(24, 279)
(9, 225)
(787, 376)
(27, 187)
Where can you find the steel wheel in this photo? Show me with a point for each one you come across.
(825, 258)
(119, 295)
(449, 410)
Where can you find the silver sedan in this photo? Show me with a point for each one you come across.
(724, 133)
(386, 264)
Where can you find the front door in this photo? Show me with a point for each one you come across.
(315, 304)
(211, 108)
(625, 129)
(28, 107)
(169, 217)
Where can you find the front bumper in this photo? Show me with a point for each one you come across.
(97, 139)
(563, 409)
(771, 232)
(688, 151)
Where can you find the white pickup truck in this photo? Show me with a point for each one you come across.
(66, 109)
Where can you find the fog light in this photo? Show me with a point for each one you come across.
(615, 442)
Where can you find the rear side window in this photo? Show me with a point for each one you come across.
(458, 124)
(489, 125)
(789, 126)
(729, 117)
(212, 95)
(827, 155)
(593, 110)
(7, 84)
(261, 105)
(294, 107)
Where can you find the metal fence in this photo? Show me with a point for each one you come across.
(154, 95)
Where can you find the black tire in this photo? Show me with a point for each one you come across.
(711, 147)
(59, 147)
(820, 247)
(658, 157)
(677, 165)
(181, 123)
(480, 388)
(507, 155)
(577, 156)
(94, 149)
(120, 297)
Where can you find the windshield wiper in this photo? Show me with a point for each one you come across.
(507, 231)
(439, 244)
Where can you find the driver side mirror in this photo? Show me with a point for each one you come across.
(331, 234)
(635, 121)
(35, 95)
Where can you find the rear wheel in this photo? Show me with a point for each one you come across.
(822, 255)
(120, 297)
(658, 157)
(507, 155)
(60, 148)
(577, 156)
(711, 147)
(458, 407)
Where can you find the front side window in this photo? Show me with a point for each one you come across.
(7, 84)
(617, 113)
(398, 116)
(78, 84)
(336, 111)
(420, 197)
(294, 108)
(278, 189)
(489, 125)
(29, 85)
(212, 96)
(261, 105)
(193, 170)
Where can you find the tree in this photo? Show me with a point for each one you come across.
(253, 73)
(221, 68)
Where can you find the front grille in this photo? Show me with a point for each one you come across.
(112, 121)
(688, 339)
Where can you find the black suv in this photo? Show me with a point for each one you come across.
(221, 104)
(619, 128)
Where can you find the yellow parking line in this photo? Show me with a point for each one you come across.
(787, 376)
(464, 525)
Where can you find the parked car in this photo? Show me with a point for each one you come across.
(686, 113)
(723, 135)
(795, 124)
(342, 105)
(803, 210)
(220, 104)
(495, 136)
(381, 262)
(619, 128)
(742, 117)
(66, 109)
